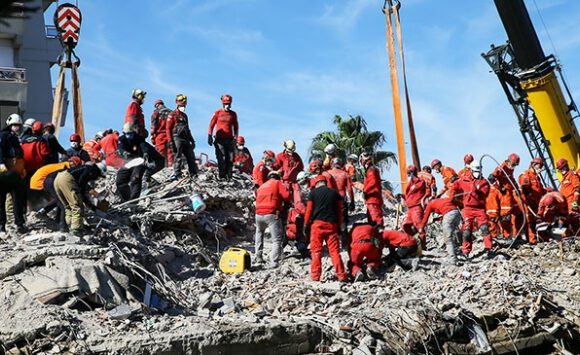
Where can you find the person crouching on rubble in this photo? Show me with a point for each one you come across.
(365, 250)
(263, 167)
(269, 201)
(403, 248)
(552, 216)
(323, 216)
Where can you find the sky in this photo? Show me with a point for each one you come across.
(292, 65)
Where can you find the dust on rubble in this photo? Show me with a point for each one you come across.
(145, 280)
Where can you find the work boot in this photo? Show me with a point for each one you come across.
(21, 229)
(2, 228)
(360, 276)
(371, 273)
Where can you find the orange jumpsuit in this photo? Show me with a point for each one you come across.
(532, 191)
(493, 210)
(511, 206)
(570, 188)
(449, 176)
(554, 213)
(350, 170)
(430, 182)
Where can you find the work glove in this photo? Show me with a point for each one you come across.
(3, 168)
(209, 140)
(574, 206)
(351, 206)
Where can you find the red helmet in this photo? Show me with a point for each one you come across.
(269, 154)
(75, 138)
(226, 99)
(240, 140)
(75, 160)
(37, 126)
(562, 164)
(549, 200)
(435, 162)
(538, 161)
(158, 102)
(314, 166)
(514, 159)
(468, 158)
(411, 169)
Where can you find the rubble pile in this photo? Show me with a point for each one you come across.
(145, 280)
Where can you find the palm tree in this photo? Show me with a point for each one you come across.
(353, 137)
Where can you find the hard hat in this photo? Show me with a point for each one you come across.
(48, 125)
(411, 169)
(269, 154)
(330, 149)
(475, 167)
(549, 200)
(337, 162)
(181, 100)
(427, 168)
(100, 134)
(37, 126)
(468, 158)
(75, 160)
(290, 145)
(240, 140)
(103, 167)
(274, 174)
(226, 99)
(318, 178)
(14, 119)
(139, 94)
(75, 138)
(303, 175)
(365, 158)
(314, 166)
(561, 164)
(514, 159)
(435, 162)
(158, 102)
(127, 127)
(352, 157)
(538, 161)
(29, 122)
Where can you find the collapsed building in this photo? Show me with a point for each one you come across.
(145, 280)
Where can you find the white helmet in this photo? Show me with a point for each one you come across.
(352, 157)
(103, 166)
(303, 175)
(29, 122)
(290, 145)
(330, 149)
(99, 134)
(476, 169)
(14, 119)
(139, 94)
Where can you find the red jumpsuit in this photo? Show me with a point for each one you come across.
(556, 213)
(330, 182)
(430, 184)
(350, 170)
(510, 203)
(373, 195)
(466, 171)
(109, 146)
(95, 155)
(159, 136)
(134, 115)
(290, 165)
(475, 192)
(363, 247)
(343, 183)
(243, 161)
(414, 195)
(260, 174)
(532, 191)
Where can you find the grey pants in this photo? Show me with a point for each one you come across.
(275, 225)
(450, 224)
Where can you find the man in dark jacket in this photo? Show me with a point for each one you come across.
(180, 138)
(53, 144)
(130, 176)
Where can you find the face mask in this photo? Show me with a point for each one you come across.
(181, 108)
(240, 147)
(74, 145)
(16, 128)
(227, 107)
(476, 174)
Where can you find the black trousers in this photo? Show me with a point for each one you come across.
(129, 182)
(184, 152)
(224, 152)
(11, 184)
(154, 157)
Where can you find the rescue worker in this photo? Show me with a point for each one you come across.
(53, 143)
(269, 203)
(570, 186)
(10, 152)
(552, 213)
(475, 190)
(532, 190)
(36, 151)
(134, 113)
(493, 209)
(225, 122)
(430, 183)
(295, 220)
(466, 170)
(330, 152)
(243, 161)
(130, 178)
(76, 149)
(448, 175)
(344, 188)
(159, 136)
(315, 168)
(289, 162)
(511, 215)
(90, 145)
(372, 190)
(403, 249)
(451, 219)
(264, 166)
(108, 148)
(71, 187)
(350, 166)
(27, 129)
(414, 198)
(323, 217)
(365, 251)
(181, 139)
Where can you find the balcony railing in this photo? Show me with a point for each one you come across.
(12, 74)
(51, 31)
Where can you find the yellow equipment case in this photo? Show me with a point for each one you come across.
(235, 260)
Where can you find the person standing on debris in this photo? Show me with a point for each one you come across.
(466, 170)
(430, 183)
(243, 161)
(225, 121)
(130, 177)
(89, 146)
(289, 162)
(451, 219)
(570, 186)
(181, 139)
(10, 153)
(53, 143)
(315, 168)
(109, 148)
(403, 249)
(330, 152)
(372, 190)
(76, 149)
(447, 174)
(493, 209)
(350, 166)
(269, 201)
(323, 217)
(475, 190)
(365, 249)
(264, 166)
(159, 136)
(134, 113)
(344, 188)
(414, 198)
(512, 211)
(532, 190)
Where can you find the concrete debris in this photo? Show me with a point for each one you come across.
(145, 280)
